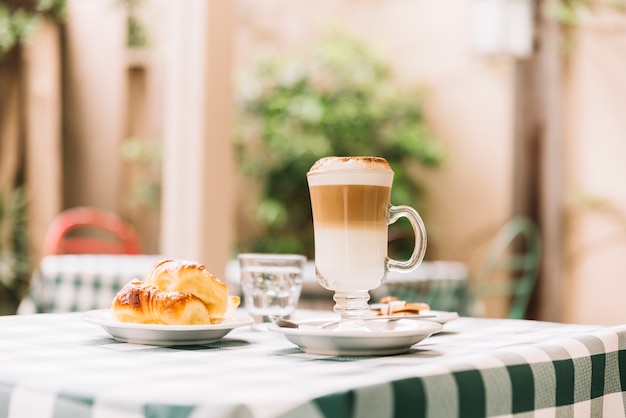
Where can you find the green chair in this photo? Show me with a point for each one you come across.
(511, 266)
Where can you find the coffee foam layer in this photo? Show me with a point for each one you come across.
(349, 163)
(350, 170)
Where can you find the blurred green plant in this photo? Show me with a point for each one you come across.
(137, 36)
(571, 12)
(340, 100)
(20, 19)
(14, 250)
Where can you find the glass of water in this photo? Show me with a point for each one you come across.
(271, 284)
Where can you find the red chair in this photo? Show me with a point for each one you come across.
(85, 230)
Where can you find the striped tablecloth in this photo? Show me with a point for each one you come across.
(57, 365)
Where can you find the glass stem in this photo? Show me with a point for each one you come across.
(351, 304)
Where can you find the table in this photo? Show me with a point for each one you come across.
(78, 282)
(57, 365)
(444, 285)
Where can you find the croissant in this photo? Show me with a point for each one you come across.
(146, 304)
(175, 293)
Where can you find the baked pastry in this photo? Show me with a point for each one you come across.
(146, 304)
(392, 306)
(175, 292)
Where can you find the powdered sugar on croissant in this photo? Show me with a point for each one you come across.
(175, 292)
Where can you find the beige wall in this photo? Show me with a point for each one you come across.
(43, 151)
(187, 63)
(95, 92)
(198, 190)
(596, 155)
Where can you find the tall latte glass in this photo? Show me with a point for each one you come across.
(351, 214)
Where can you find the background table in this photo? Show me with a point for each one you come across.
(56, 365)
(70, 283)
(444, 285)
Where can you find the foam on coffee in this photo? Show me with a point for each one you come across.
(355, 170)
(350, 163)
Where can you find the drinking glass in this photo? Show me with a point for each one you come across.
(350, 201)
(271, 284)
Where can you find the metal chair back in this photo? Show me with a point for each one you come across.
(511, 265)
(87, 230)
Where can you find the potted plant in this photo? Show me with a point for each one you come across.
(340, 100)
(18, 21)
(14, 252)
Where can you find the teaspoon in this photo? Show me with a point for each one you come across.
(285, 323)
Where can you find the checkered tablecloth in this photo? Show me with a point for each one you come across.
(79, 282)
(444, 285)
(57, 365)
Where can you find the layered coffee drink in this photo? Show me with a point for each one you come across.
(350, 203)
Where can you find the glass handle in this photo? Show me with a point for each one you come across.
(403, 211)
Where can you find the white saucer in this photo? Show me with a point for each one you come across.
(386, 337)
(164, 335)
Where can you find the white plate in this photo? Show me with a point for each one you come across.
(388, 337)
(164, 335)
